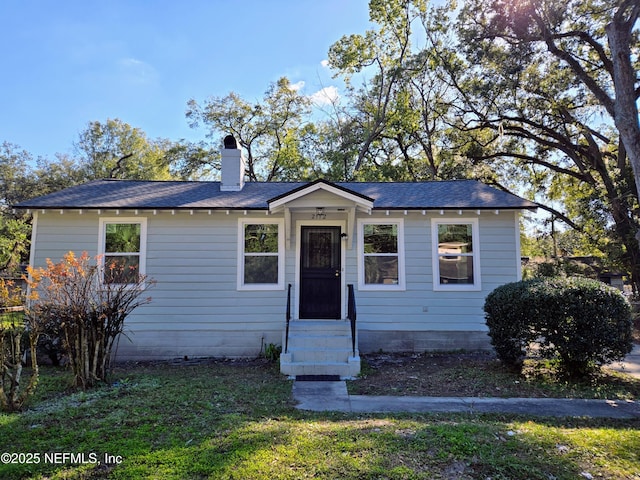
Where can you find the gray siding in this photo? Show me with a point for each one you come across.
(197, 309)
(419, 307)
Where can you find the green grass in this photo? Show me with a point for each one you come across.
(484, 376)
(233, 421)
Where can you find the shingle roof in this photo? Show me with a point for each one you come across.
(135, 194)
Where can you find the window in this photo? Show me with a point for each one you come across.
(456, 264)
(122, 245)
(261, 247)
(381, 255)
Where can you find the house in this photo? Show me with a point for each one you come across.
(231, 259)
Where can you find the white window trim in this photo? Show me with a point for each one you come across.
(401, 285)
(456, 287)
(143, 239)
(281, 253)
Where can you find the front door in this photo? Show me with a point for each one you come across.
(320, 272)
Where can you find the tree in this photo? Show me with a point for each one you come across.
(519, 94)
(401, 113)
(112, 149)
(115, 149)
(269, 131)
(332, 143)
(193, 160)
(54, 175)
(22, 177)
(16, 175)
(622, 34)
(18, 334)
(17, 181)
(379, 105)
(14, 243)
(534, 80)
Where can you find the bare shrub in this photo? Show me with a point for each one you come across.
(90, 302)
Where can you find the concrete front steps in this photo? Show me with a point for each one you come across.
(320, 347)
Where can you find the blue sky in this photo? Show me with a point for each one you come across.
(70, 62)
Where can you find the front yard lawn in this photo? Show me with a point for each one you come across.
(481, 375)
(235, 420)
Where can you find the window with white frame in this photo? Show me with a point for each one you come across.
(122, 246)
(261, 255)
(381, 255)
(456, 261)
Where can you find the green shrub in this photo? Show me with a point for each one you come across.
(272, 352)
(507, 312)
(581, 322)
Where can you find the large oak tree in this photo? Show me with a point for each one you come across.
(551, 88)
(535, 96)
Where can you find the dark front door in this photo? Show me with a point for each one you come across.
(320, 271)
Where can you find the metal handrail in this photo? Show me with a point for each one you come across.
(352, 315)
(288, 317)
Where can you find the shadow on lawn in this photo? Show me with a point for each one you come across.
(236, 420)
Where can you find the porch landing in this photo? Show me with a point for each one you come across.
(320, 347)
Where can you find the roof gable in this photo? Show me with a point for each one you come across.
(350, 196)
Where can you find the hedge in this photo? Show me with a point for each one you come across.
(581, 322)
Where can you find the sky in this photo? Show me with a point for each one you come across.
(70, 62)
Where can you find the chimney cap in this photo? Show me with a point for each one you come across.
(230, 142)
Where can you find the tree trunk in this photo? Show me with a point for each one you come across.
(619, 34)
(626, 231)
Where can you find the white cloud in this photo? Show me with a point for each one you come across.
(136, 71)
(297, 86)
(326, 96)
(325, 63)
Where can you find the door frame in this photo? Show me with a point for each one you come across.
(343, 285)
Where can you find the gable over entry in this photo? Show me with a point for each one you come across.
(321, 196)
(321, 216)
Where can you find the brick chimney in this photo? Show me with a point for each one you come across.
(233, 165)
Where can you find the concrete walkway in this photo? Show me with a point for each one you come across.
(333, 396)
(631, 364)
